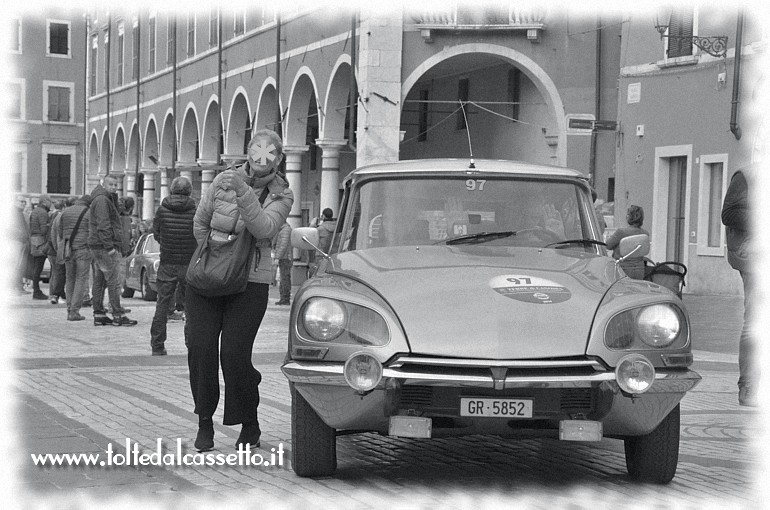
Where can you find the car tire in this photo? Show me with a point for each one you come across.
(314, 443)
(128, 292)
(654, 456)
(147, 293)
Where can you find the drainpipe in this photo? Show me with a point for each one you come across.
(174, 149)
(109, 134)
(353, 92)
(734, 127)
(220, 147)
(138, 104)
(278, 120)
(597, 100)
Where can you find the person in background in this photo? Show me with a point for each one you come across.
(105, 242)
(222, 329)
(38, 235)
(78, 265)
(58, 271)
(326, 230)
(173, 229)
(283, 254)
(632, 266)
(20, 250)
(736, 216)
(599, 216)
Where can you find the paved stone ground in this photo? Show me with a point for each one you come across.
(79, 388)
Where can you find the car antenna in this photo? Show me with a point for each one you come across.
(468, 131)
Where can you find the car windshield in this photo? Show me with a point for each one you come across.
(508, 211)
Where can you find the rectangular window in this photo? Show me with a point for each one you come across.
(463, 90)
(190, 34)
(135, 51)
(58, 38)
(422, 123)
(58, 166)
(17, 170)
(213, 28)
(713, 185)
(107, 55)
(121, 45)
(93, 65)
(171, 35)
(15, 93)
(680, 31)
(239, 25)
(58, 99)
(14, 42)
(151, 45)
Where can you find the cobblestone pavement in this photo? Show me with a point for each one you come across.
(79, 388)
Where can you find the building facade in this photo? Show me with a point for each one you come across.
(180, 92)
(46, 88)
(690, 114)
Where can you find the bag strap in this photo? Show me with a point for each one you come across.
(77, 224)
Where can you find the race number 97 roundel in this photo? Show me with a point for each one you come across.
(530, 289)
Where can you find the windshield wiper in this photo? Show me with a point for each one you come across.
(480, 237)
(576, 241)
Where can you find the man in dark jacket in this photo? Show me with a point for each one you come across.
(105, 241)
(173, 229)
(283, 254)
(78, 264)
(38, 237)
(736, 217)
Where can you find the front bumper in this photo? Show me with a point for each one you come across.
(323, 385)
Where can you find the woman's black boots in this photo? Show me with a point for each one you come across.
(204, 441)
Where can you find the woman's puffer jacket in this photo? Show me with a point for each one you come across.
(221, 213)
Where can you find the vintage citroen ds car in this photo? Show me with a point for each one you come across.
(477, 298)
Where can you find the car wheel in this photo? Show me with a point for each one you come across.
(147, 293)
(653, 457)
(127, 291)
(314, 443)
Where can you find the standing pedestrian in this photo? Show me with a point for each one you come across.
(283, 254)
(173, 229)
(105, 242)
(736, 216)
(20, 245)
(632, 266)
(38, 238)
(73, 229)
(57, 278)
(326, 230)
(253, 196)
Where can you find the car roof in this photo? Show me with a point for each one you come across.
(423, 166)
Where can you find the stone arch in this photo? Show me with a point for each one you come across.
(528, 67)
(168, 139)
(119, 152)
(336, 102)
(238, 124)
(151, 145)
(212, 131)
(134, 142)
(267, 117)
(93, 154)
(189, 141)
(301, 114)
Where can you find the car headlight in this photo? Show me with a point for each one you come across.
(362, 372)
(658, 325)
(655, 326)
(324, 319)
(331, 320)
(635, 374)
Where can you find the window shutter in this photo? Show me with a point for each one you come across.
(53, 104)
(681, 28)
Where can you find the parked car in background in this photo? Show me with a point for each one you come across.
(142, 268)
(479, 298)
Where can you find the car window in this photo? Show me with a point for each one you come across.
(151, 245)
(414, 211)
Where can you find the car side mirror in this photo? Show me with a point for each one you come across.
(636, 246)
(306, 238)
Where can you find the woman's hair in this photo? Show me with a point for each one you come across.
(635, 216)
(181, 186)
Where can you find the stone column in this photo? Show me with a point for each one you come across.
(207, 177)
(294, 155)
(330, 173)
(148, 194)
(379, 70)
(119, 177)
(164, 184)
(130, 189)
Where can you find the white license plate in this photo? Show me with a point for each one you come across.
(496, 407)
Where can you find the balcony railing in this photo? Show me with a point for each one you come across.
(462, 16)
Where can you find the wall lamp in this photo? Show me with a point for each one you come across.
(716, 46)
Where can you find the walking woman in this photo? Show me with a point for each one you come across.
(253, 196)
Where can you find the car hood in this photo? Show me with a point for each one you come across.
(485, 301)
